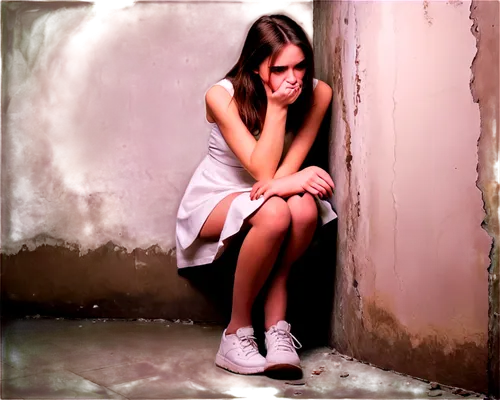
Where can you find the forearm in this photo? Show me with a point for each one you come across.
(269, 148)
(285, 170)
(287, 186)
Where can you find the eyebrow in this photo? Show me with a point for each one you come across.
(280, 66)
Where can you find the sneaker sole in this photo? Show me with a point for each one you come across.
(224, 363)
(283, 371)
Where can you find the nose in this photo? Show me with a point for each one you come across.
(291, 78)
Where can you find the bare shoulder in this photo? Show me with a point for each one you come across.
(323, 93)
(218, 103)
(217, 96)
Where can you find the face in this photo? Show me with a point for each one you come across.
(290, 65)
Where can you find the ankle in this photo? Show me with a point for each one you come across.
(230, 331)
(233, 327)
(271, 322)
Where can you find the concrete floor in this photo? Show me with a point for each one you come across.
(91, 359)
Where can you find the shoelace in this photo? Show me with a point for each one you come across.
(248, 344)
(285, 340)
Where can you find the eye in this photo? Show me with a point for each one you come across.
(277, 70)
(301, 66)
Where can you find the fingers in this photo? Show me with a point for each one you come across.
(285, 85)
(324, 184)
(255, 187)
(287, 93)
(260, 190)
(286, 89)
(322, 189)
(257, 193)
(326, 177)
(268, 193)
(311, 190)
(296, 94)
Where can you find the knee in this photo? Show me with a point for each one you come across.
(274, 216)
(303, 210)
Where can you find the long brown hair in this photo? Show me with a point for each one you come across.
(266, 38)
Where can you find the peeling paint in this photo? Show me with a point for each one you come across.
(428, 18)
(357, 99)
(484, 86)
(349, 279)
(338, 86)
(455, 3)
(386, 339)
(108, 281)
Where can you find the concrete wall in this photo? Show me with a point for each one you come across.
(102, 126)
(411, 289)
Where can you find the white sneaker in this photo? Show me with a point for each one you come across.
(239, 353)
(281, 354)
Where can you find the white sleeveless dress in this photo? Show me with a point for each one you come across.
(219, 174)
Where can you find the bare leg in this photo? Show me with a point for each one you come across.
(269, 225)
(257, 257)
(304, 214)
(212, 227)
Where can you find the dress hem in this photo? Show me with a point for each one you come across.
(238, 214)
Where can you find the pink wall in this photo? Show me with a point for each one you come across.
(413, 257)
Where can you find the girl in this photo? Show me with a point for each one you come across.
(265, 115)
